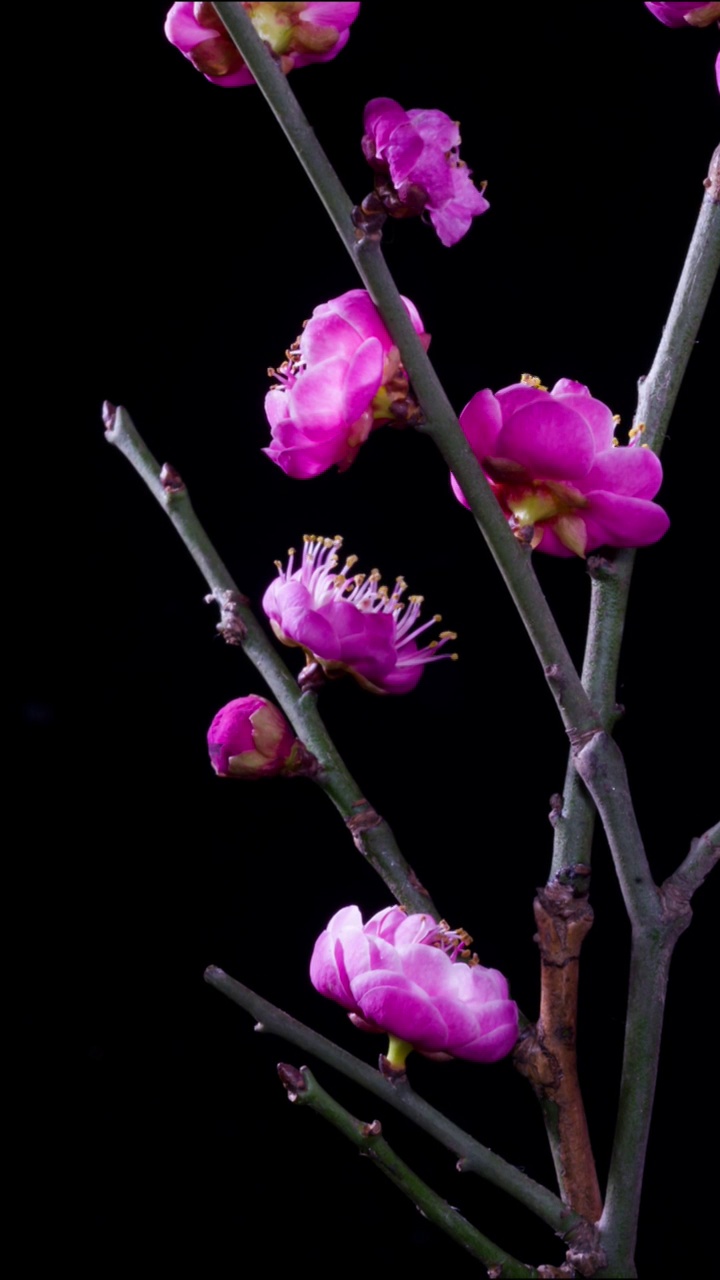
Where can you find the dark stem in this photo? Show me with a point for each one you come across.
(652, 950)
(472, 1155)
(547, 1053)
(303, 1089)
(371, 834)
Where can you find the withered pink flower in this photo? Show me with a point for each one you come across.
(297, 35)
(558, 472)
(419, 151)
(348, 622)
(693, 13)
(250, 738)
(342, 378)
(415, 980)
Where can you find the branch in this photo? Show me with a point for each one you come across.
(611, 577)
(547, 1055)
(679, 888)
(473, 1156)
(649, 967)
(239, 626)
(303, 1088)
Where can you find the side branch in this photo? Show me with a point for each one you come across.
(239, 626)
(547, 1053)
(302, 1088)
(611, 577)
(679, 888)
(472, 1155)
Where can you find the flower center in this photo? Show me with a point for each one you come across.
(454, 942)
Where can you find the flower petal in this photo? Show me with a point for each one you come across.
(552, 441)
(616, 520)
(634, 471)
(317, 396)
(363, 378)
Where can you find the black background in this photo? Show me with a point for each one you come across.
(178, 248)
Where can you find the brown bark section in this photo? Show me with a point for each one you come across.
(547, 1052)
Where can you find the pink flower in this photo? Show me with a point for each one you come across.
(250, 738)
(694, 13)
(561, 478)
(410, 977)
(342, 378)
(297, 34)
(419, 150)
(350, 623)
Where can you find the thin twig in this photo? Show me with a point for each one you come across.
(239, 626)
(611, 577)
(472, 1155)
(302, 1088)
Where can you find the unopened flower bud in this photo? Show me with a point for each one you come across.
(250, 738)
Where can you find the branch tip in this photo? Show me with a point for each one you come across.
(109, 415)
(292, 1080)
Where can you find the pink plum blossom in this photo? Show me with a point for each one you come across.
(561, 478)
(250, 738)
(297, 35)
(414, 979)
(348, 622)
(341, 379)
(694, 13)
(419, 151)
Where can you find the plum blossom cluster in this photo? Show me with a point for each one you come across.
(416, 980)
(250, 738)
(341, 379)
(297, 34)
(349, 622)
(553, 461)
(417, 167)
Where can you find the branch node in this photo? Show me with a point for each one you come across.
(231, 626)
(396, 1075)
(171, 481)
(580, 740)
(359, 823)
(712, 182)
(556, 809)
(312, 678)
(368, 218)
(371, 1130)
(600, 568)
